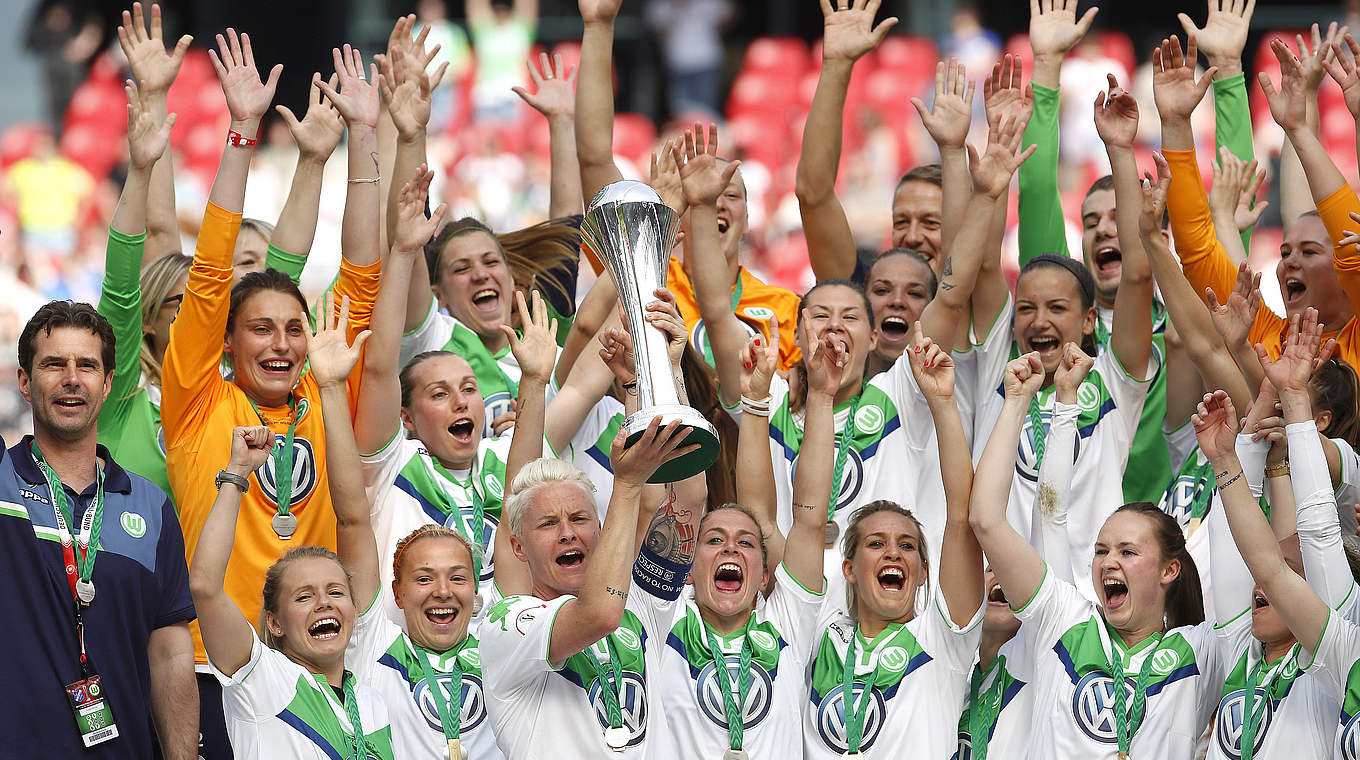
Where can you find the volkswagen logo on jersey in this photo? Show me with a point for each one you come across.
(1350, 739)
(489, 523)
(831, 718)
(474, 704)
(758, 698)
(496, 404)
(965, 750)
(304, 472)
(1093, 706)
(1026, 464)
(1228, 727)
(632, 703)
(1179, 499)
(852, 479)
(698, 337)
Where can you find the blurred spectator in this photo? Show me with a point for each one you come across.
(691, 36)
(502, 36)
(1083, 75)
(65, 34)
(446, 102)
(976, 47)
(49, 194)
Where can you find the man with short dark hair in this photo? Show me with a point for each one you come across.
(101, 665)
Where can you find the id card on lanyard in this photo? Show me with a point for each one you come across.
(94, 716)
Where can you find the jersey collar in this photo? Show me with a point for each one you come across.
(115, 477)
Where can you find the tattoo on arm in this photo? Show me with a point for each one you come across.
(616, 592)
(670, 536)
(946, 274)
(809, 507)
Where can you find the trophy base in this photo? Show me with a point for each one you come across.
(701, 431)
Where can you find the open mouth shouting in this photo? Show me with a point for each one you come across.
(1294, 290)
(571, 558)
(723, 226)
(996, 597)
(728, 577)
(463, 431)
(277, 367)
(1048, 346)
(442, 617)
(1259, 603)
(1116, 593)
(892, 579)
(893, 329)
(325, 629)
(1108, 259)
(487, 301)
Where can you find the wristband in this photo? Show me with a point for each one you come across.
(630, 388)
(759, 408)
(1277, 470)
(237, 140)
(234, 479)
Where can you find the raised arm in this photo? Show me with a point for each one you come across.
(947, 123)
(960, 552)
(331, 359)
(595, 97)
(316, 134)
(407, 87)
(598, 609)
(1233, 319)
(148, 136)
(554, 96)
(848, 33)
(357, 101)
(1116, 115)
(1295, 198)
(377, 419)
(1346, 71)
(227, 636)
(155, 69)
(1005, 97)
(1053, 31)
(814, 481)
(755, 466)
(535, 351)
(1232, 202)
(1049, 532)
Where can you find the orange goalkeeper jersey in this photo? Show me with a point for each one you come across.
(199, 410)
(756, 301)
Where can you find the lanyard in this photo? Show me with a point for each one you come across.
(736, 301)
(1252, 712)
(855, 710)
(283, 458)
(478, 527)
(842, 453)
(358, 743)
(736, 724)
(982, 711)
(609, 692)
(450, 716)
(1127, 721)
(78, 560)
(1036, 426)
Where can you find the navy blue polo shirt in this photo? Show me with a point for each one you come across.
(141, 584)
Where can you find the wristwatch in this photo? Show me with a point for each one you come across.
(230, 477)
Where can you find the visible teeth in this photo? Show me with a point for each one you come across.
(891, 572)
(729, 566)
(442, 611)
(1112, 582)
(484, 293)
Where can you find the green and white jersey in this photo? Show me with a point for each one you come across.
(589, 448)
(1074, 703)
(1190, 497)
(1336, 665)
(541, 711)
(1111, 402)
(893, 455)
(275, 708)
(383, 657)
(1348, 491)
(1297, 711)
(1150, 465)
(781, 635)
(1004, 686)
(917, 674)
(409, 488)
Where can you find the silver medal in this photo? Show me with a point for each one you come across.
(735, 754)
(616, 737)
(476, 605)
(832, 532)
(85, 590)
(285, 525)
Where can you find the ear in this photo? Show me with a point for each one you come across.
(518, 549)
(1323, 420)
(226, 344)
(407, 422)
(848, 572)
(395, 596)
(1171, 571)
(272, 623)
(25, 386)
(873, 341)
(765, 578)
(1088, 325)
(689, 578)
(108, 387)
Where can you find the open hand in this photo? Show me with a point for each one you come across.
(992, 171)
(702, 178)
(1174, 88)
(848, 31)
(665, 175)
(950, 115)
(1154, 198)
(413, 228)
(151, 65)
(357, 97)
(1234, 190)
(147, 135)
(1003, 93)
(1288, 104)
(554, 93)
(1346, 71)
(1233, 318)
(1225, 31)
(1215, 423)
(536, 350)
(1116, 116)
(1054, 28)
(331, 356)
(247, 97)
(321, 127)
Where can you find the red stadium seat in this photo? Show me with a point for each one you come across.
(98, 103)
(776, 54)
(902, 53)
(765, 93)
(634, 138)
(92, 148)
(18, 142)
(1117, 46)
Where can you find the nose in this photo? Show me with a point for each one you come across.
(442, 589)
(69, 376)
(914, 236)
(1106, 228)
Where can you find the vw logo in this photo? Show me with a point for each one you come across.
(1093, 706)
(709, 688)
(1026, 464)
(1231, 717)
(1350, 739)
(1179, 499)
(698, 337)
(632, 704)
(496, 404)
(473, 703)
(304, 472)
(489, 523)
(965, 750)
(852, 479)
(831, 718)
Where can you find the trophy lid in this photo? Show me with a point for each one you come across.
(625, 191)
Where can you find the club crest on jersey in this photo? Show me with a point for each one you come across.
(708, 688)
(1350, 739)
(869, 419)
(758, 312)
(133, 524)
(965, 750)
(852, 479)
(1093, 706)
(472, 700)
(1228, 726)
(304, 471)
(831, 717)
(632, 705)
(1179, 499)
(465, 516)
(496, 404)
(1088, 396)
(1026, 464)
(493, 485)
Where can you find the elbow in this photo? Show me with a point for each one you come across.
(810, 193)
(604, 620)
(202, 587)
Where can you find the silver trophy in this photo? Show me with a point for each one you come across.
(632, 232)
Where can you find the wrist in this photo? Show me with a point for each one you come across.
(560, 118)
(952, 151)
(359, 130)
(236, 468)
(249, 127)
(410, 137)
(311, 161)
(1228, 66)
(1066, 395)
(533, 382)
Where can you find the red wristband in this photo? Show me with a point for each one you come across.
(238, 140)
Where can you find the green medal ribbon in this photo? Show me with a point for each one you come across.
(1103, 332)
(855, 710)
(91, 526)
(478, 536)
(358, 743)
(736, 301)
(1200, 506)
(982, 711)
(608, 692)
(842, 453)
(283, 458)
(733, 707)
(450, 717)
(1127, 721)
(1252, 713)
(1036, 425)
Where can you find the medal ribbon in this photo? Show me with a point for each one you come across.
(982, 712)
(450, 716)
(478, 537)
(358, 743)
(1127, 721)
(609, 692)
(855, 711)
(283, 458)
(1253, 712)
(842, 453)
(1036, 426)
(736, 301)
(77, 560)
(733, 707)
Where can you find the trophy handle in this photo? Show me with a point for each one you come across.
(700, 431)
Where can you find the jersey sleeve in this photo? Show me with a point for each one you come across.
(431, 335)
(1324, 558)
(656, 585)
(1335, 211)
(290, 264)
(953, 645)
(1041, 227)
(1055, 607)
(262, 686)
(373, 633)
(1180, 444)
(174, 603)
(1232, 125)
(120, 302)
(794, 610)
(1129, 393)
(515, 641)
(1205, 263)
(1333, 655)
(190, 373)
(900, 385)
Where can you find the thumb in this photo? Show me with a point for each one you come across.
(1211, 298)
(1257, 210)
(920, 107)
(361, 339)
(1084, 25)
(1187, 24)
(288, 116)
(274, 75)
(181, 48)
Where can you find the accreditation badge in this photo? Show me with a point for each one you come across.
(94, 718)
